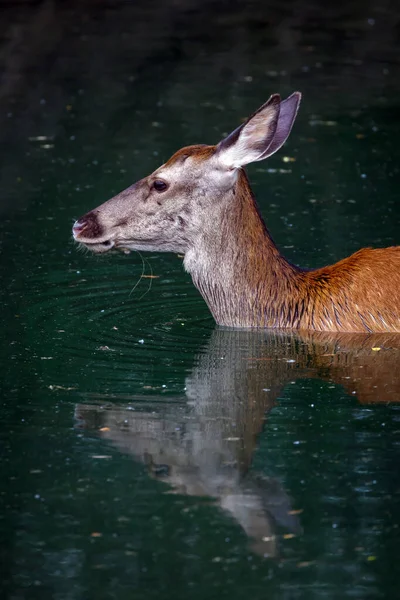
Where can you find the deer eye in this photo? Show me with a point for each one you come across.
(159, 185)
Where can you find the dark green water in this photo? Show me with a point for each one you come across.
(146, 453)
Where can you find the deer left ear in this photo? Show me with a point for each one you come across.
(262, 134)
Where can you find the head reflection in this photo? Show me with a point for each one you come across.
(202, 444)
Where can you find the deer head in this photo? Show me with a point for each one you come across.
(171, 209)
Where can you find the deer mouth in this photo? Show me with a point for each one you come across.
(97, 247)
(103, 247)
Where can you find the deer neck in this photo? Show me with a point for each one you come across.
(237, 267)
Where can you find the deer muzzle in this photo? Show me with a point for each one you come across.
(88, 231)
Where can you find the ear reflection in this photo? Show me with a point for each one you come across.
(202, 444)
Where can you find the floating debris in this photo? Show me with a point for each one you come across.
(322, 122)
(41, 138)
(61, 387)
(101, 456)
(281, 171)
(305, 563)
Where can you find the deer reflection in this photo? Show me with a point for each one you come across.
(202, 444)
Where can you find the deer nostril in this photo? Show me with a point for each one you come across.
(79, 226)
(89, 226)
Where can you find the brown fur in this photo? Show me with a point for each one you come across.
(200, 151)
(359, 293)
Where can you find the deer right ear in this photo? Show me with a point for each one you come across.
(261, 135)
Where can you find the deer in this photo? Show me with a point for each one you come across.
(200, 204)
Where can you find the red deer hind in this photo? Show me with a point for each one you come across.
(200, 204)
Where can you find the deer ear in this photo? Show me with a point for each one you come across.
(262, 134)
(287, 114)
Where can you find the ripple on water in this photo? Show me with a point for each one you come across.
(101, 322)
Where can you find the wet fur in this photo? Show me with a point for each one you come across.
(359, 293)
